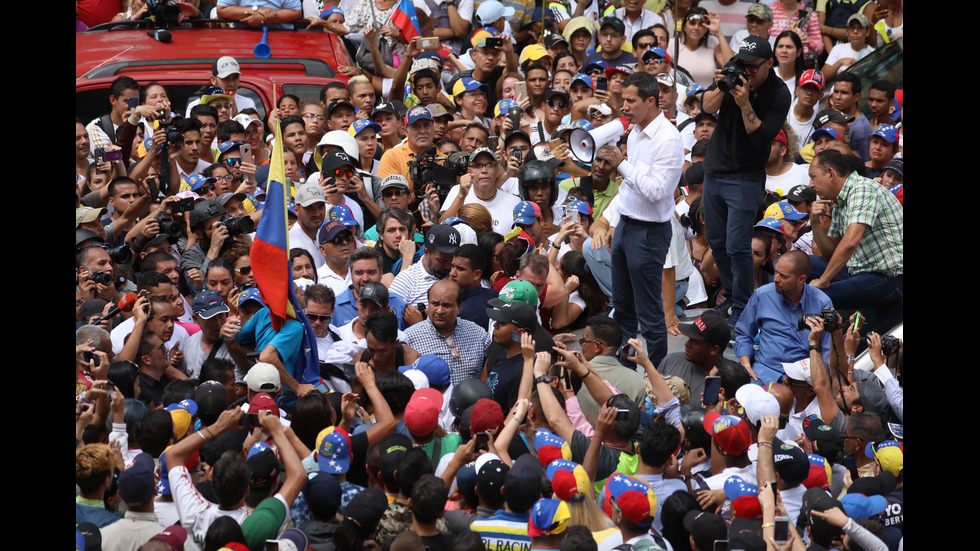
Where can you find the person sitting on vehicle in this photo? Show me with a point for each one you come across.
(277, 14)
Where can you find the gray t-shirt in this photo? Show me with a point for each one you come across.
(194, 355)
(677, 365)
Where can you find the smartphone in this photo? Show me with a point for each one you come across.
(482, 441)
(517, 153)
(494, 42)
(572, 215)
(271, 545)
(182, 205)
(322, 388)
(133, 102)
(600, 83)
(553, 144)
(421, 309)
(99, 153)
(112, 156)
(493, 142)
(91, 357)
(712, 386)
(349, 371)
(246, 150)
(781, 530)
(520, 90)
(250, 420)
(429, 43)
(857, 320)
(514, 114)
(622, 414)
(627, 351)
(515, 336)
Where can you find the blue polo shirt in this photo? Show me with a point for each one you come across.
(345, 309)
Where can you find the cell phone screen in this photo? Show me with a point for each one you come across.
(712, 385)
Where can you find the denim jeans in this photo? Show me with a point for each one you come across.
(638, 255)
(859, 291)
(600, 264)
(730, 210)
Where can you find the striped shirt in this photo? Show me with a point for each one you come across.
(864, 201)
(504, 531)
(782, 21)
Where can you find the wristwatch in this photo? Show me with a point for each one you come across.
(817, 348)
(542, 379)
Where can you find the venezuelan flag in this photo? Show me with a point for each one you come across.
(405, 18)
(273, 271)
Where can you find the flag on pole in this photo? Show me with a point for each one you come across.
(273, 271)
(405, 18)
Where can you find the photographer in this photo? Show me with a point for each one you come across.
(752, 104)
(418, 123)
(774, 312)
(213, 238)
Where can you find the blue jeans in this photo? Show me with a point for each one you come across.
(600, 264)
(730, 210)
(860, 291)
(638, 255)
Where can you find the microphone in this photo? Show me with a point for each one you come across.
(126, 304)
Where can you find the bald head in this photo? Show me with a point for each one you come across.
(445, 288)
(799, 260)
(783, 395)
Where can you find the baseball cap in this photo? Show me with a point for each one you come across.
(756, 402)
(225, 66)
(337, 104)
(263, 402)
(443, 238)
(832, 115)
(731, 433)
(437, 110)
(625, 69)
(333, 450)
(898, 165)
(744, 497)
(888, 454)
(520, 314)
(309, 194)
(517, 290)
(653, 54)
(263, 377)
(533, 52)
(487, 415)
(801, 193)
(394, 180)
(422, 411)
(214, 92)
(633, 496)
(481, 151)
(436, 369)
(551, 447)
(322, 491)
(333, 160)
(174, 536)
(760, 10)
(705, 528)
(136, 484)
(887, 132)
(581, 77)
(480, 36)
(552, 40)
(708, 327)
(330, 230)
(526, 212)
(503, 107)
(367, 507)
(814, 77)
(826, 440)
(753, 49)
(820, 472)
(615, 22)
(824, 131)
(467, 84)
(252, 294)
(548, 517)
(361, 124)
(569, 480)
(792, 464)
(523, 480)
(799, 370)
(375, 292)
(492, 10)
(208, 304)
(595, 66)
(416, 114)
(343, 214)
(783, 210)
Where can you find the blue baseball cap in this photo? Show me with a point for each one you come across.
(250, 294)
(828, 131)
(584, 78)
(361, 124)
(887, 132)
(416, 114)
(526, 213)
(435, 369)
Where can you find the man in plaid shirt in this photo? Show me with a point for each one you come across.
(863, 260)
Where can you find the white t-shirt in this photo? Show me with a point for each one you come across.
(801, 129)
(798, 174)
(742, 34)
(299, 239)
(845, 51)
(677, 255)
(338, 284)
(501, 207)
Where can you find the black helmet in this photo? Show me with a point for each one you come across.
(467, 393)
(534, 171)
(692, 420)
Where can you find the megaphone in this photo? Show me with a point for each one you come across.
(262, 49)
(584, 143)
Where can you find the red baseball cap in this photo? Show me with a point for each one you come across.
(422, 411)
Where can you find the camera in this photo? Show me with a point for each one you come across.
(169, 226)
(119, 255)
(237, 226)
(889, 345)
(828, 315)
(729, 75)
(425, 169)
(101, 278)
(164, 11)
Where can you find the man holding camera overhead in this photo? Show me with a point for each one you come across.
(751, 104)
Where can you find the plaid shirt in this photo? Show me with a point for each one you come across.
(864, 201)
(464, 349)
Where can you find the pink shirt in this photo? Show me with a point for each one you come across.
(782, 21)
(575, 415)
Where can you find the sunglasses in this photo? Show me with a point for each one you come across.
(339, 172)
(645, 45)
(207, 188)
(343, 238)
(244, 270)
(394, 192)
(322, 318)
(561, 104)
(317, 118)
(232, 161)
(221, 105)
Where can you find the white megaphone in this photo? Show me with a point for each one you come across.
(584, 143)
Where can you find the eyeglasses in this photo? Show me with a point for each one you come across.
(232, 161)
(312, 117)
(645, 45)
(221, 105)
(475, 94)
(339, 172)
(753, 68)
(449, 341)
(561, 104)
(226, 177)
(244, 270)
(342, 238)
(583, 342)
(397, 192)
(322, 318)
(478, 166)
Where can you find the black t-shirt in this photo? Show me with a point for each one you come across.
(504, 379)
(357, 474)
(732, 152)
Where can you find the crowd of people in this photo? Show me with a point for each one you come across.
(495, 221)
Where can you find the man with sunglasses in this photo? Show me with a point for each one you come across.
(750, 116)
(336, 243)
(556, 106)
(337, 169)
